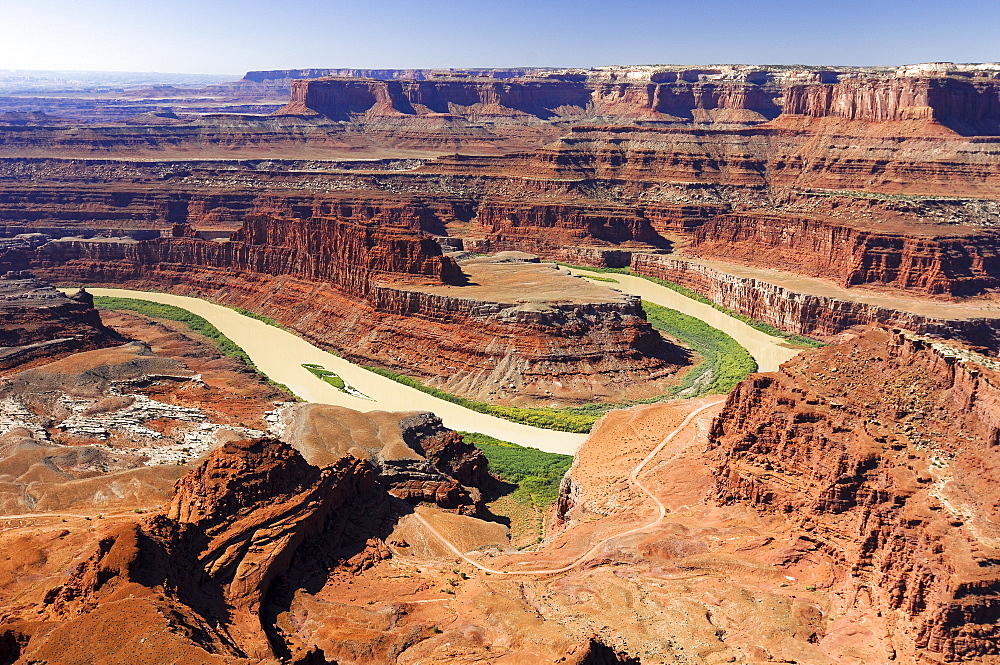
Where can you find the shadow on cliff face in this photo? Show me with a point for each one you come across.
(663, 348)
(599, 653)
(11, 643)
(351, 541)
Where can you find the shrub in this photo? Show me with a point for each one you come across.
(723, 357)
(536, 473)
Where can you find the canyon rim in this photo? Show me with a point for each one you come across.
(759, 304)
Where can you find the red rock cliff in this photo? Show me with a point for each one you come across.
(803, 313)
(937, 264)
(349, 254)
(541, 97)
(965, 105)
(36, 321)
(883, 451)
(558, 230)
(339, 98)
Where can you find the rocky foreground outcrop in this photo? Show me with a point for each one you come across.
(417, 459)
(882, 453)
(244, 530)
(205, 565)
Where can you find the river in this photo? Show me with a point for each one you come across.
(280, 355)
(767, 350)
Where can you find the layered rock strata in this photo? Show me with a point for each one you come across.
(356, 287)
(966, 101)
(954, 265)
(819, 316)
(125, 208)
(724, 94)
(347, 254)
(969, 106)
(881, 451)
(594, 195)
(40, 322)
(563, 232)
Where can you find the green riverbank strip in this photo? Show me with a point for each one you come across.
(724, 360)
(193, 321)
(567, 419)
(537, 474)
(258, 317)
(766, 328)
(196, 323)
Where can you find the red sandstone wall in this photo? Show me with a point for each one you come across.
(341, 97)
(342, 252)
(957, 266)
(804, 314)
(968, 106)
(552, 229)
(878, 450)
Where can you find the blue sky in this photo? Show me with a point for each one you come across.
(230, 37)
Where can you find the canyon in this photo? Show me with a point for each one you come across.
(836, 506)
(800, 518)
(384, 296)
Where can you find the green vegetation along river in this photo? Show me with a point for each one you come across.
(769, 351)
(280, 355)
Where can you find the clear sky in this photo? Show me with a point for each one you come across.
(232, 36)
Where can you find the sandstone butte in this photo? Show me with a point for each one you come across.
(840, 510)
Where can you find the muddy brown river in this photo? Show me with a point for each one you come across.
(280, 355)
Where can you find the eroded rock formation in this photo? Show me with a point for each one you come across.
(40, 322)
(417, 459)
(821, 316)
(232, 529)
(882, 451)
(955, 265)
(969, 106)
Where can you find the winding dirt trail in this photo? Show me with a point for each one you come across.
(633, 476)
